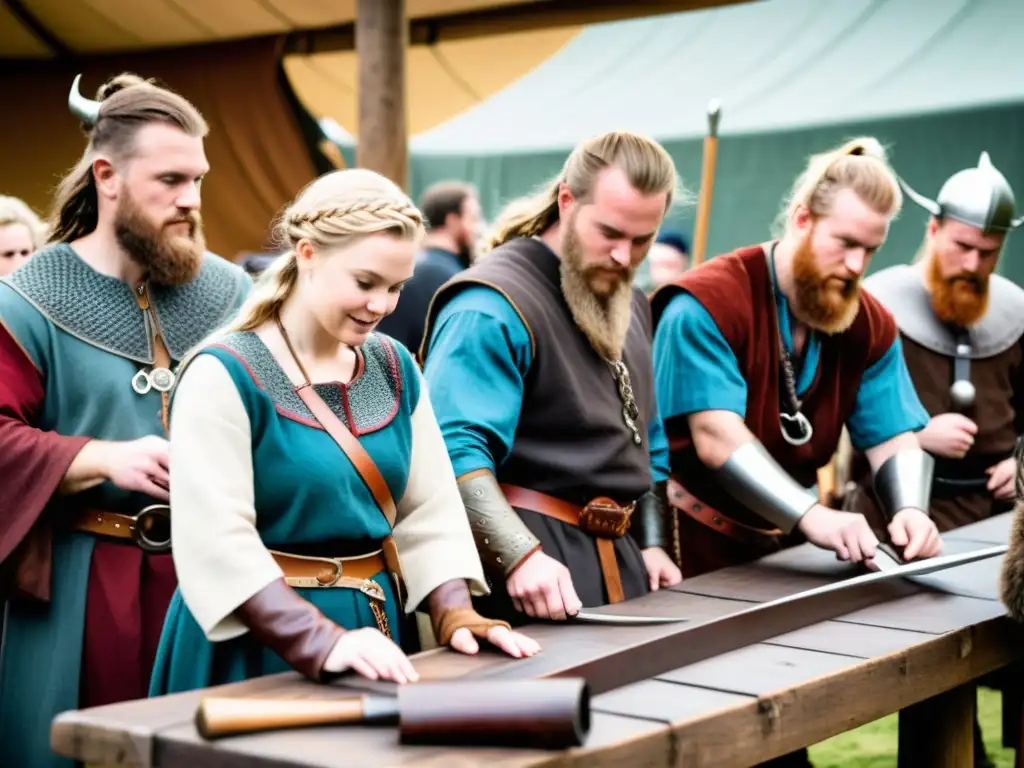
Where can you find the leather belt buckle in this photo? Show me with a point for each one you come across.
(325, 578)
(604, 518)
(151, 529)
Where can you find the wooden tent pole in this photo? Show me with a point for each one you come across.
(382, 34)
(707, 184)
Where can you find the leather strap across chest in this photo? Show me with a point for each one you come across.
(348, 443)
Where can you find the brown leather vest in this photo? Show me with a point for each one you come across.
(736, 291)
(571, 440)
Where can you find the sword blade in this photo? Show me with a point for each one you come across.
(591, 617)
(906, 570)
(889, 568)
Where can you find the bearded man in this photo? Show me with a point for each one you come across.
(762, 355)
(538, 363)
(89, 330)
(962, 328)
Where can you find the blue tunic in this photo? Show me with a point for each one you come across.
(305, 492)
(696, 370)
(87, 336)
(479, 331)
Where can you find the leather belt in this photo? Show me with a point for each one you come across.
(686, 502)
(589, 519)
(150, 529)
(323, 572)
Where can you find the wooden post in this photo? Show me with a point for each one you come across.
(382, 33)
(939, 732)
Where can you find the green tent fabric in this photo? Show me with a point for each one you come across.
(935, 82)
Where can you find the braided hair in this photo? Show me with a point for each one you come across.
(332, 212)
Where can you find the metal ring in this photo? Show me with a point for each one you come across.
(801, 421)
(139, 533)
(145, 385)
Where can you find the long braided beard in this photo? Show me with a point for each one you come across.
(602, 314)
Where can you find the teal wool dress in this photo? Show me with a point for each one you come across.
(265, 476)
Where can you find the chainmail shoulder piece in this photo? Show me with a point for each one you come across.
(367, 404)
(102, 310)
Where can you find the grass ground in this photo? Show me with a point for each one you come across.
(874, 745)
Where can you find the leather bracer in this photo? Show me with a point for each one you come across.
(649, 524)
(502, 538)
(291, 626)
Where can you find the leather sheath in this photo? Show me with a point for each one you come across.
(570, 514)
(690, 505)
(291, 626)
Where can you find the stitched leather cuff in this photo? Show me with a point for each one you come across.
(291, 626)
(446, 623)
(502, 538)
(649, 523)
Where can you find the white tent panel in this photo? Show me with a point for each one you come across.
(774, 64)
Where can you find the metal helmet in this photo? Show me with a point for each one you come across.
(86, 110)
(978, 196)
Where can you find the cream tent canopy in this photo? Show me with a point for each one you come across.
(248, 65)
(462, 51)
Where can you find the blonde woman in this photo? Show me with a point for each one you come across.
(314, 501)
(22, 233)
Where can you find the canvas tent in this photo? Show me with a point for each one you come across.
(936, 82)
(264, 73)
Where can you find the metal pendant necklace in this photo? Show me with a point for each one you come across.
(795, 427)
(630, 411)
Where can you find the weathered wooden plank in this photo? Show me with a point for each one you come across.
(779, 575)
(995, 530)
(978, 580)
(182, 747)
(861, 640)
(123, 734)
(666, 701)
(610, 744)
(939, 732)
(931, 612)
(759, 669)
(342, 746)
(780, 722)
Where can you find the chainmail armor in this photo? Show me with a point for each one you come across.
(102, 310)
(372, 398)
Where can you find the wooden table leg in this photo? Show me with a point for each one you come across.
(939, 732)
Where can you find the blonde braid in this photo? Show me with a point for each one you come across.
(362, 216)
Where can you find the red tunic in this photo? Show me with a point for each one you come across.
(128, 588)
(736, 290)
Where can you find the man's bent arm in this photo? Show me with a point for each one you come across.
(745, 469)
(478, 357)
(33, 462)
(903, 474)
(886, 414)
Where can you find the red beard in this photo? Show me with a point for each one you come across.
(961, 299)
(826, 304)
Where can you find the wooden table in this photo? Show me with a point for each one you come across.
(917, 652)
